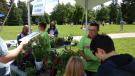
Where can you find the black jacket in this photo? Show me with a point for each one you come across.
(55, 31)
(118, 65)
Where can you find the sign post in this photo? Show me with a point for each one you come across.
(29, 19)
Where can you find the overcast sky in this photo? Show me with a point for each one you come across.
(50, 4)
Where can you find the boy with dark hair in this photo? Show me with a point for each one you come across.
(112, 64)
(42, 28)
(91, 62)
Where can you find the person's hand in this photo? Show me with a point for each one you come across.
(51, 35)
(24, 43)
(87, 59)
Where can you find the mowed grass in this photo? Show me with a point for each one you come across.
(11, 32)
(125, 45)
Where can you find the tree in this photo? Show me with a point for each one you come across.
(22, 6)
(113, 13)
(128, 10)
(59, 14)
(78, 14)
(14, 17)
(3, 6)
(119, 15)
(70, 12)
(91, 15)
(47, 18)
(102, 14)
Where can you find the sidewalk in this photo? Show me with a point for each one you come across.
(114, 36)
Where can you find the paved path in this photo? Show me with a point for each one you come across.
(114, 36)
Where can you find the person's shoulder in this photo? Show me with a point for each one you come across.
(105, 65)
(1, 41)
(104, 70)
(48, 29)
(84, 36)
(130, 67)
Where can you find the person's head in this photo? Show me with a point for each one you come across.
(93, 29)
(53, 25)
(42, 26)
(102, 46)
(25, 29)
(74, 67)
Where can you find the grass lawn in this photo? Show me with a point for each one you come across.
(125, 45)
(10, 32)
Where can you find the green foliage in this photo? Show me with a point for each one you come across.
(91, 15)
(78, 14)
(70, 12)
(128, 10)
(59, 14)
(14, 17)
(67, 14)
(39, 47)
(119, 15)
(22, 6)
(3, 6)
(44, 18)
(102, 14)
(47, 18)
(113, 12)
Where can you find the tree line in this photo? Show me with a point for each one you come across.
(66, 13)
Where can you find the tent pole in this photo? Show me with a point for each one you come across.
(86, 13)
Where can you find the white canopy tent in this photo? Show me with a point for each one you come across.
(89, 4)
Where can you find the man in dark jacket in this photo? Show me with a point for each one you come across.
(112, 64)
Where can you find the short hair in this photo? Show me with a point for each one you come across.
(102, 41)
(95, 24)
(42, 24)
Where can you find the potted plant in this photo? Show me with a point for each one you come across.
(57, 42)
(40, 51)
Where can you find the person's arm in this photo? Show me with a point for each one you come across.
(48, 30)
(18, 38)
(13, 53)
(85, 57)
(56, 33)
(81, 49)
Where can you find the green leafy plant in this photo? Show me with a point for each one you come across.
(39, 48)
